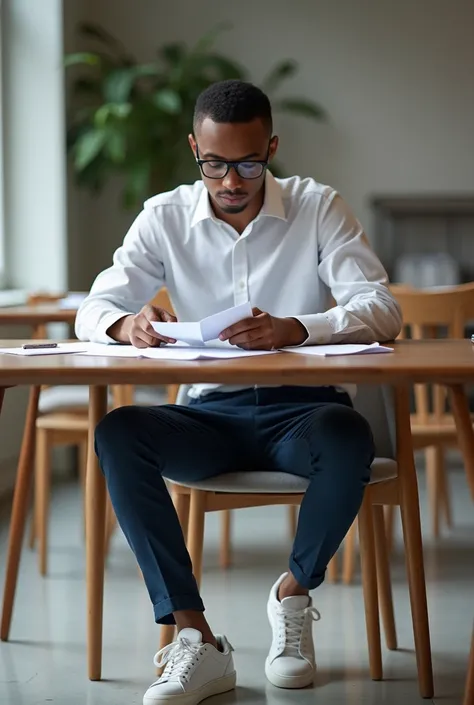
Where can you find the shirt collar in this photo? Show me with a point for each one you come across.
(272, 204)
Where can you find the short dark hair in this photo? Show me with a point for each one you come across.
(233, 101)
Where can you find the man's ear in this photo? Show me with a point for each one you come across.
(273, 147)
(192, 144)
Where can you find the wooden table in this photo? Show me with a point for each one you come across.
(36, 315)
(445, 361)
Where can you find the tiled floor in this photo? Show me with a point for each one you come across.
(45, 661)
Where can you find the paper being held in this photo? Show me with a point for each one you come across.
(198, 333)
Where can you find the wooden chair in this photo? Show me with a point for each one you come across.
(429, 314)
(394, 482)
(63, 420)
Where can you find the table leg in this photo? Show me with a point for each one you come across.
(469, 693)
(19, 510)
(410, 510)
(95, 533)
(462, 417)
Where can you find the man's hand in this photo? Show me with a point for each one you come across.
(138, 330)
(265, 332)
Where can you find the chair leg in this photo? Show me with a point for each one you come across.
(384, 582)
(196, 531)
(389, 516)
(349, 555)
(432, 482)
(410, 509)
(369, 584)
(42, 495)
(333, 570)
(182, 505)
(225, 551)
(469, 692)
(444, 493)
(19, 511)
(82, 463)
(110, 524)
(292, 520)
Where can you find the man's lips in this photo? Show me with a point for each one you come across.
(233, 199)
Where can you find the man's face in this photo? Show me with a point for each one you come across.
(233, 142)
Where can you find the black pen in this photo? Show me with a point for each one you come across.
(38, 346)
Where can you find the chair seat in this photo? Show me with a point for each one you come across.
(77, 397)
(270, 482)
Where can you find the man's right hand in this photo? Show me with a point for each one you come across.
(138, 330)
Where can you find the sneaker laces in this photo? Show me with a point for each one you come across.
(178, 659)
(291, 626)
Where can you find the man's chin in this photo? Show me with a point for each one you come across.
(232, 208)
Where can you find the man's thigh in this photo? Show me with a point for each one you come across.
(297, 438)
(195, 443)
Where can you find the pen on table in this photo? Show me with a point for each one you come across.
(38, 346)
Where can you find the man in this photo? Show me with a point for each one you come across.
(284, 245)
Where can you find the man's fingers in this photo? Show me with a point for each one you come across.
(168, 317)
(257, 344)
(141, 339)
(246, 337)
(246, 324)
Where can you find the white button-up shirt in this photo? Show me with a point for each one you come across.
(304, 246)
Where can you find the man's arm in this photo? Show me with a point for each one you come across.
(135, 276)
(365, 309)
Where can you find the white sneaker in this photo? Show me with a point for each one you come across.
(290, 662)
(193, 670)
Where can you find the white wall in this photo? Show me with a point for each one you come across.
(395, 78)
(35, 208)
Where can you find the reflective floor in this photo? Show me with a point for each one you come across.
(45, 661)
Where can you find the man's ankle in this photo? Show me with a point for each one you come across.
(290, 587)
(193, 619)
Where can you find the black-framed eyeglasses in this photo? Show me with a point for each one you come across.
(218, 169)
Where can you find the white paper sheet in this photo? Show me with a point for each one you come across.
(61, 349)
(173, 352)
(207, 329)
(341, 349)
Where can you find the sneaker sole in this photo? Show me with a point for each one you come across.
(215, 687)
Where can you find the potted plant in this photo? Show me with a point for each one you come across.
(133, 118)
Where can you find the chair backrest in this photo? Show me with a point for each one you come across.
(374, 402)
(425, 313)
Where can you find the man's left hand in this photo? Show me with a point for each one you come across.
(265, 332)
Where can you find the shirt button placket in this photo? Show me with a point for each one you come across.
(240, 272)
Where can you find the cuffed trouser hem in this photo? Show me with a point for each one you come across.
(164, 609)
(303, 580)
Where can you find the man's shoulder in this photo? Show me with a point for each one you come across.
(296, 188)
(183, 197)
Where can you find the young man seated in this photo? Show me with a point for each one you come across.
(285, 245)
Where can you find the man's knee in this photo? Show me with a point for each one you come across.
(345, 433)
(118, 428)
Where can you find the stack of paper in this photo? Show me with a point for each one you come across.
(207, 329)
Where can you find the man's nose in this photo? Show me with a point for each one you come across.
(232, 180)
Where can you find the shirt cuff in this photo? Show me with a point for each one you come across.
(319, 329)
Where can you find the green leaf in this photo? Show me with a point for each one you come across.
(301, 107)
(83, 57)
(116, 146)
(285, 69)
(88, 147)
(115, 110)
(168, 101)
(119, 83)
(137, 184)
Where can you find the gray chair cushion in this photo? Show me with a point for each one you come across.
(269, 482)
(61, 398)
